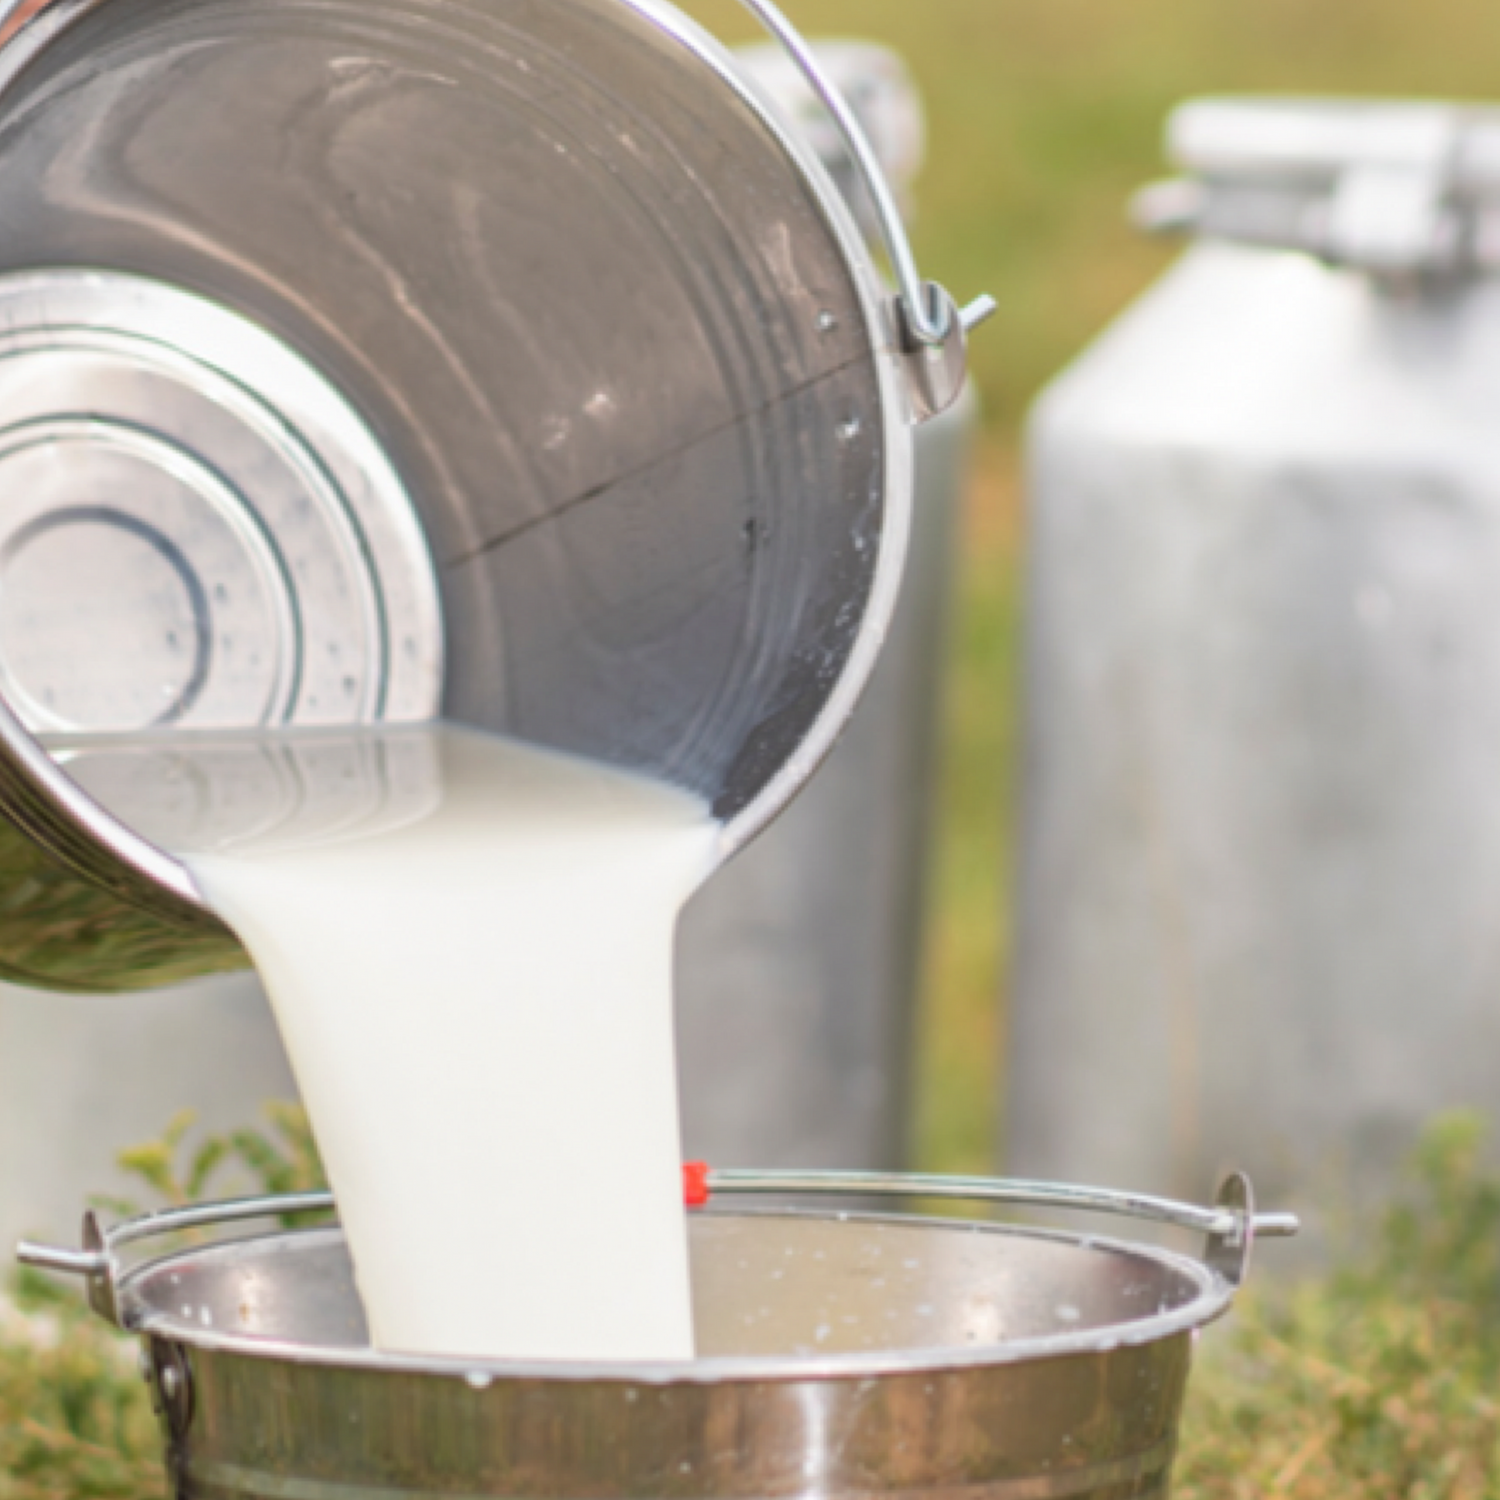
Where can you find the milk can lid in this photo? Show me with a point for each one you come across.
(1388, 186)
(1318, 140)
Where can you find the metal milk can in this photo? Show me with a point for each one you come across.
(1260, 864)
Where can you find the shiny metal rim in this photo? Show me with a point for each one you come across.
(1231, 1227)
(1212, 1298)
(898, 418)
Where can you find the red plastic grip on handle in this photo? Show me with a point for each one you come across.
(695, 1189)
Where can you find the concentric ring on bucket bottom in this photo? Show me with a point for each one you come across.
(200, 532)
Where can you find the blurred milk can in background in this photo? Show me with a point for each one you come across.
(798, 963)
(1260, 864)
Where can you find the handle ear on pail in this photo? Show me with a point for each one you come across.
(932, 328)
(1228, 1251)
(99, 1262)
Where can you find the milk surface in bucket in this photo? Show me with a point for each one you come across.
(468, 946)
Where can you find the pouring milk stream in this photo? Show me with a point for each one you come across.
(468, 947)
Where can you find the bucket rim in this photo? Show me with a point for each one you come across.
(1211, 1298)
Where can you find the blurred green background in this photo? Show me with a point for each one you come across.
(1044, 116)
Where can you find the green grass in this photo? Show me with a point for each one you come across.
(75, 1423)
(74, 1420)
(1382, 1381)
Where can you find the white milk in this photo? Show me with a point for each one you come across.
(468, 945)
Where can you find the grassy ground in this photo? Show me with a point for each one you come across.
(1379, 1382)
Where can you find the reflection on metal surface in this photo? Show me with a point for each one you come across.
(212, 793)
(199, 530)
(1141, 1476)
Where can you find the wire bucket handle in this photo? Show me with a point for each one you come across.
(1230, 1226)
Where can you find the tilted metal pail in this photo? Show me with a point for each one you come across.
(361, 362)
(840, 1355)
(798, 963)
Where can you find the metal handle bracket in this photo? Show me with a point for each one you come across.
(932, 330)
(99, 1263)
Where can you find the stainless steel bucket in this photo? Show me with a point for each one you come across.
(841, 1355)
(508, 360)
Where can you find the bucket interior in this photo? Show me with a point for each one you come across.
(768, 1285)
(611, 330)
